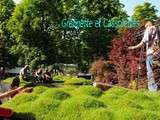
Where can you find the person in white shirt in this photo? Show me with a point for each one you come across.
(149, 39)
(25, 73)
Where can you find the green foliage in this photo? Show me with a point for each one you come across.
(76, 81)
(29, 25)
(136, 114)
(56, 94)
(28, 55)
(86, 103)
(40, 89)
(6, 9)
(98, 114)
(97, 39)
(58, 77)
(117, 91)
(73, 80)
(47, 104)
(21, 99)
(88, 90)
(35, 25)
(145, 12)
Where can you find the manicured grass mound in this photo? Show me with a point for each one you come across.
(55, 94)
(86, 103)
(88, 90)
(40, 89)
(72, 80)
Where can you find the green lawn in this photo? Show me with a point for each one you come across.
(86, 103)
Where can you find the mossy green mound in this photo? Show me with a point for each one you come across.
(72, 80)
(86, 103)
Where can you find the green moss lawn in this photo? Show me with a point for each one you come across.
(84, 102)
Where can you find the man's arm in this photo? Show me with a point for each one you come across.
(136, 46)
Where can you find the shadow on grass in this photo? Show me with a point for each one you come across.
(23, 116)
(58, 81)
(50, 85)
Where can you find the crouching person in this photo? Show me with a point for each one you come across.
(47, 77)
(25, 74)
(39, 75)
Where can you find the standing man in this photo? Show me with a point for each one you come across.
(150, 39)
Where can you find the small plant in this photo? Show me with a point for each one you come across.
(133, 84)
(103, 71)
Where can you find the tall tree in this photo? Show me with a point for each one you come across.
(91, 41)
(145, 12)
(96, 39)
(6, 9)
(30, 25)
(35, 26)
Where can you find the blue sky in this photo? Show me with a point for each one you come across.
(130, 4)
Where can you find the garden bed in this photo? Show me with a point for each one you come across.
(85, 103)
